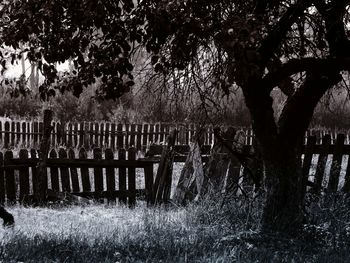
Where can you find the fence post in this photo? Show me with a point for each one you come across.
(73, 172)
(102, 134)
(75, 135)
(44, 151)
(120, 136)
(107, 131)
(97, 134)
(54, 173)
(144, 137)
(24, 134)
(127, 134)
(13, 133)
(148, 170)
(23, 178)
(34, 172)
(7, 135)
(138, 137)
(113, 134)
(132, 135)
(132, 178)
(10, 179)
(70, 135)
(122, 177)
(85, 178)
(110, 176)
(62, 154)
(98, 175)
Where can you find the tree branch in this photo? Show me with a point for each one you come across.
(303, 102)
(325, 66)
(273, 41)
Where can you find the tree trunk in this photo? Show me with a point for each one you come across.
(283, 211)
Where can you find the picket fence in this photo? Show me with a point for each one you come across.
(96, 178)
(96, 134)
(28, 134)
(112, 175)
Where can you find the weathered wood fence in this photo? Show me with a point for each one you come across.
(112, 175)
(90, 135)
(96, 178)
(95, 134)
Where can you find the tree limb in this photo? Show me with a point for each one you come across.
(273, 41)
(294, 66)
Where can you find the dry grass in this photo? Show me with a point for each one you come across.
(204, 232)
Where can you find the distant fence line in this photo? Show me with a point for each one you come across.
(115, 135)
(99, 134)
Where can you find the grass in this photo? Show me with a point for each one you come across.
(204, 232)
(100, 233)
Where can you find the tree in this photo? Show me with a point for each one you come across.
(298, 46)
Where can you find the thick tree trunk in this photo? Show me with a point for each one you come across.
(283, 211)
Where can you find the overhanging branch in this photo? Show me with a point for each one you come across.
(320, 66)
(274, 39)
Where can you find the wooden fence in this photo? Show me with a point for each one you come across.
(96, 178)
(90, 135)
(112, 175)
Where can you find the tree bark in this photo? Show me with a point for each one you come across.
(283, 211)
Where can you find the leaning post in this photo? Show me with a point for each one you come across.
(43, 153)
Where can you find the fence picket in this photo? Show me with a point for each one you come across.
(310, 145)
(85, 178)
(113, 134)
(102, 135)
(73, 173)
(336, 164)
(13, 134)
(144, 137)
(110, 175)
(70, 135)
(54, 172)
(7, 135)
(23, 177)
(120, 142)
(62, 154)
(132, 178)
(138, 137)
(107, 134)
(122, 177)
(132, 135)
(98, 175)
(91, 135)
(33, 154)
(10, 181)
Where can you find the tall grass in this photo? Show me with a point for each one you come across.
(206, 232)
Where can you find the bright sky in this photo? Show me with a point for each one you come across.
(15, 71)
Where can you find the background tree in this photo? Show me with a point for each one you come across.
(300, 47)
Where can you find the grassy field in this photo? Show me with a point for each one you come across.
(197, 233)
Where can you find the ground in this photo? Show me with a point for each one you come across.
(207, 232)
